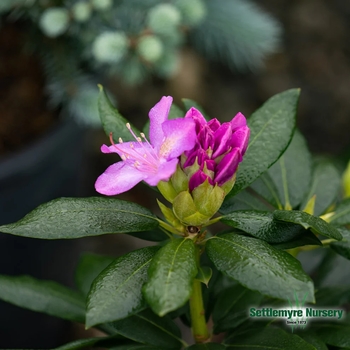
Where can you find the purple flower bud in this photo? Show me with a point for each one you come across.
(197, 179)
(219, 148)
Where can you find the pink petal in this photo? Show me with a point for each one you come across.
(118, 178)
(206, 137)
(135, 150)
(158, 115)
(238, 121)
(228, 166)
(197, 116)
(164, 172)
(197, 179)
(180, 136)
(240, 139)
(214, 124)
(222, 137)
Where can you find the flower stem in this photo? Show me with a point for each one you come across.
(199, 326)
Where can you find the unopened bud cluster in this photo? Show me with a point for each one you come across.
(207, 173)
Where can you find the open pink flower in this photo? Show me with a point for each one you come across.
(148, 161)
(219, 148)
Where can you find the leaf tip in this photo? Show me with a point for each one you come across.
(100, 87)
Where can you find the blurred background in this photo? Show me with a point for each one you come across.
(228, 55)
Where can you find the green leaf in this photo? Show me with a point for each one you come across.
(156, 235)
(292, 173)
(258, 266)
(43, 296)
(334, 334)
(136, 347)
(204, 274)
(264, 187)
(308, 221)
(325, 184)
(261, 195)
(271, 128)
(244, 200)
(267, 338)
(332, 296)
(116, 292)
(263, 226)
(207, 346)
(313, 339)
(188, 103)
(342, 213)
(171, 275)
(89, 267)
(230, 309)
(307, 238)
(79, 344)
(111, 119)
(150, 329)
(341, 248)
(82, 217)
(101, 343)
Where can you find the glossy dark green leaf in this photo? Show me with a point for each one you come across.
(156, 235)
(206, 346)
(116, 292)
(327, 266)
(100, 342)
(334, 334)
(267, 338)
(291, 174)
(306, 238)
(308, 221)
(314, 340)
(150, 329)
(43, 296)
(261, 195)
(325, 184)
(230, 309)
(79, 344)
(81, 217)
(171, 275)
(272, 128)
(258, 266)
(137, 347)
(263, 226)
(244, 200)
(89, 267)
(112, 121)
(266, 188)
(332, 296)
(204, 274)
(341, 248)
(342, 213)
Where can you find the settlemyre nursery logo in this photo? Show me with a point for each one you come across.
(297, 315)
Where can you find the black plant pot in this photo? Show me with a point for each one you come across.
(50, 168)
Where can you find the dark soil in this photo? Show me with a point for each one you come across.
(23, 109)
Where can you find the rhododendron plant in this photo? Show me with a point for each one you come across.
(255, 176)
